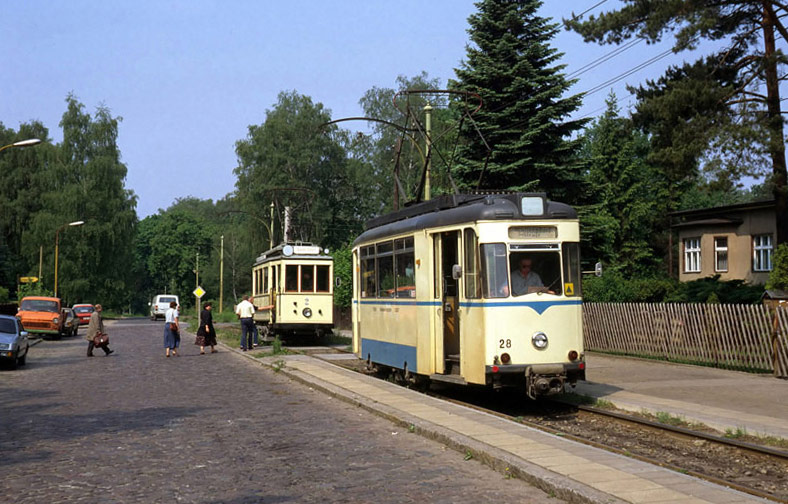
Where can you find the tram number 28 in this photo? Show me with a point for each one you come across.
(507, 343)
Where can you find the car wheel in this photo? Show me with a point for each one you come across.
(23, 360)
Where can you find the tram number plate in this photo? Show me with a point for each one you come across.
(505, 343)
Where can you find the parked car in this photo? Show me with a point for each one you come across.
(69, 321)
(42, 315)
(160, 305)
(83, 312)
(13, 341)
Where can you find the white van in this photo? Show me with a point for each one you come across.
(160, 305)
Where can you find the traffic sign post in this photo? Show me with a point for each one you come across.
(199, 292)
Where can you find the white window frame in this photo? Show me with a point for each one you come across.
(720, 252)
(762, 250)
(692, 255)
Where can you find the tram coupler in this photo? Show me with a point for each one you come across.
(544, 379)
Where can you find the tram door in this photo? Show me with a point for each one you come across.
(448, 256)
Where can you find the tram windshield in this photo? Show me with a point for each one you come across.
(526, 270)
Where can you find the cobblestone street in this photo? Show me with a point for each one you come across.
(214, 428)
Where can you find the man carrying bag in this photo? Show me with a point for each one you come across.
(96, 336)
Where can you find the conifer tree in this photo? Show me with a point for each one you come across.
(746, 29)
(511, 65)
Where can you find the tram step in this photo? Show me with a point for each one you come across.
(453, 358)
(449, 378)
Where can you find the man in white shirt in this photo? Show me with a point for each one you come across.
(245, 312)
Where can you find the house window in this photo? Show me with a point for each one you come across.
(720, 254)
(692, 255)
(762, 252)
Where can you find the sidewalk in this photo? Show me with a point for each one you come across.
(723, 400)
(571, 471)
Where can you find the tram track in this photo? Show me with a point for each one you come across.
(758, 470)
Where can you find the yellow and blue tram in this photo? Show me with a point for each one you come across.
(441, 289)
(293, 291)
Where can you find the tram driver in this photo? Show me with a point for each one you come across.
(525, 280)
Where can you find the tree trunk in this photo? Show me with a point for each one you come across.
(777, 140)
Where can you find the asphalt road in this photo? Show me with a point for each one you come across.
(138, 427)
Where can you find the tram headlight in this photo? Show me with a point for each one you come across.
(539, 340)
(307, 312)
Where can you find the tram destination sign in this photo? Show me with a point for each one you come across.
(533, 232)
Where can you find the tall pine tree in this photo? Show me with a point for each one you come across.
(511, 65)
(746, 28)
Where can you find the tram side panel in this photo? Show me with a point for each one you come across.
(395, 331)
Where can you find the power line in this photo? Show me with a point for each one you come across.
(588, 10)
(612, 54)
(627, 73)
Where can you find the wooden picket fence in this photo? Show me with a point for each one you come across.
(743, 337)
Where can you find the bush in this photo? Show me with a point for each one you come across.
(343, 266)
(778, 278)
(3, 295)
(613, 287)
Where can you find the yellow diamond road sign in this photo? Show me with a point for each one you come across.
(199, 292)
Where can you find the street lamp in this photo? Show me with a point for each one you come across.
(22, 143)
(57, 238)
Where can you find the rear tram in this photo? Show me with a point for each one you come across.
(441, 291)
(292, 290)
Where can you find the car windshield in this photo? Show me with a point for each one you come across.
(40, 305)
(83, 309)
(7, 326)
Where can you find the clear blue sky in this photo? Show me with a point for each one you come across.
(189, 76)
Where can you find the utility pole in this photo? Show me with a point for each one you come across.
(221, 275)
(428, 140)
(287, 224)
(197, 284)
(271, 228)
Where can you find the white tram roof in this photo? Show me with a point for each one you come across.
(465, 208)
(294, 250)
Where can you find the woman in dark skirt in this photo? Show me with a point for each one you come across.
(206, 335)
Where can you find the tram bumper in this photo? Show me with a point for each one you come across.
(540, 379)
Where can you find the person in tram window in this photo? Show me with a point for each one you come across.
(524, 279)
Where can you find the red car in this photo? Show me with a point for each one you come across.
(83, 312)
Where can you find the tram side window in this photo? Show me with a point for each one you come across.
(291, 278)
(274, 275)
(368, 277)
(572, 271)
(473, 287)
(265, 280)
(495, 278)
(323, 282)
(307, 278)
(534, 271)
(386, 281)
(404, 263)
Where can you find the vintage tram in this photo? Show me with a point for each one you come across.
(293, 292)
(441, 291)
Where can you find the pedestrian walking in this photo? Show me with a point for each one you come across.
(172, 331)
(245, 312)
(95, 327)
(206, 335)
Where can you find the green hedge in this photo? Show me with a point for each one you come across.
(613, 287)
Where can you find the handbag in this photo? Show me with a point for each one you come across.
(100, 339)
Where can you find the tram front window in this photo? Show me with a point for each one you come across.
(495, 280)
(535, 272)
